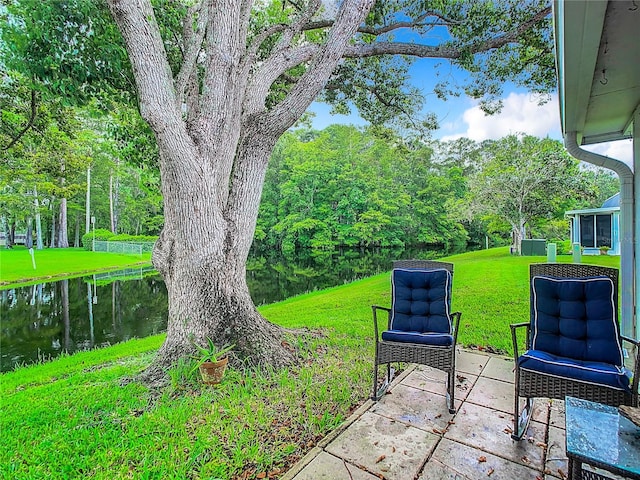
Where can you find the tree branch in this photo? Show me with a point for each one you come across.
(296, 27)
(192, 46)
(32, 118)
(349, 17)
(452, 53)
(448, 52)
(285, 59)
(417, 23)
(272, 67)
(151, 69)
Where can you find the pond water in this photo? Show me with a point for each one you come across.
(39, 322)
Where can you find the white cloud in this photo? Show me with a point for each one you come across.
(520, 114)
(621, 150)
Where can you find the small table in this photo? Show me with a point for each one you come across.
(598, 436)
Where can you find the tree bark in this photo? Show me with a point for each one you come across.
(112, 223)
(63, 238)
(87, 205)
(54, 221)
(39, 242)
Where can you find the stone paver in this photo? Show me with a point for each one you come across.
(434, 381)
(410, 405)
(492, 393)
(557, 462)
(489, 431)
(557, 414)
(330, 467)
(500, 368)
(409, 433)
(384, 446)
(470, 362)
(452, 460)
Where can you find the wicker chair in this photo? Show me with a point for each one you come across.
(420, 327)
(573, 341)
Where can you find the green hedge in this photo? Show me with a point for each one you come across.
(100, 234)
(123, 237)
(563, 247)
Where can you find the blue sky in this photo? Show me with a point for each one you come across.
(461, 116)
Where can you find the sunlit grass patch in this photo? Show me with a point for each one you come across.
(16, 266)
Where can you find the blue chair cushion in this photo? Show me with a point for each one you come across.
(434, 339)
(421, 301)
(575, 318)
(591, 372)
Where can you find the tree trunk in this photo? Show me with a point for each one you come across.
(201, 254)
(76, 236)
(11, 234)
(63, 238)
(111, 201)
(87, 205)
(213, 162)
(517, 232)
(53, 224)
(39, 242)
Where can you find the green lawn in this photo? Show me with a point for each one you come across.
(75, 417)
(16, 265)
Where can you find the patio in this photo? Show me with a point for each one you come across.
(410, 434)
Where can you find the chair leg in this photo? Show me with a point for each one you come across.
(374, 390)
(451, 391)
(522, 418)
(379, 392)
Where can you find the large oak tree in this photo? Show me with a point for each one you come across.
(219, 81)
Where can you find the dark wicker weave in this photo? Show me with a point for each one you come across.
(576, 472)
(442, 358)
(530, 384)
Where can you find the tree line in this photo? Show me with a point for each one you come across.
(63, 167)
(343, 186)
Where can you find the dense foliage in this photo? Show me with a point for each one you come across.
(347, 186)
(52, 154)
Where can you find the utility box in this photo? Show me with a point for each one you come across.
(551, 253)
(533, 247)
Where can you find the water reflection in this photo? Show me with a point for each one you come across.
(41, 321)
(273, 277)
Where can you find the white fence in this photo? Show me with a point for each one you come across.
(137, 248)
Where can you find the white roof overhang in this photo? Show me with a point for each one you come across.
(592, 211)
(598, 63)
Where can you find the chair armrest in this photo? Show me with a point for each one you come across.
(375, 309)
(455, 324)
(636, 363)
(514, 328)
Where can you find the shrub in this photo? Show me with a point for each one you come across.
(563, 247)
(100, 234)
(124, 237)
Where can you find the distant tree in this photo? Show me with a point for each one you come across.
(603, 184)
(524, 178)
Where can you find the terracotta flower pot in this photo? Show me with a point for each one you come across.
(212, 372)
